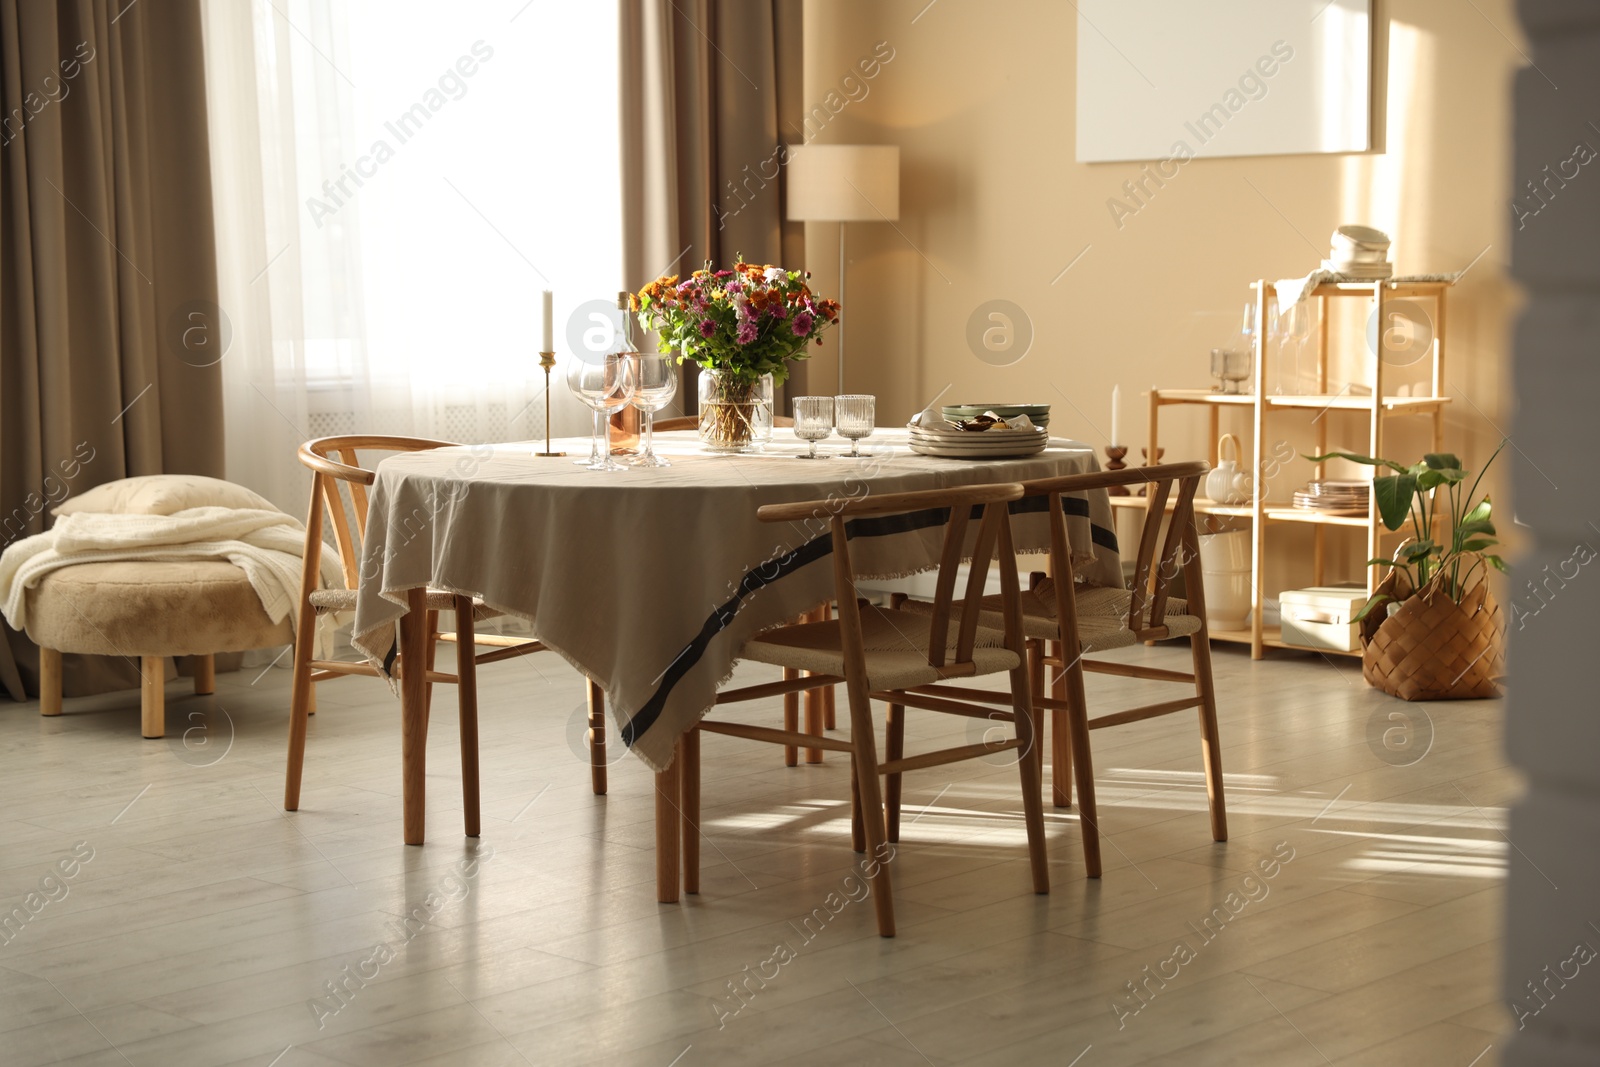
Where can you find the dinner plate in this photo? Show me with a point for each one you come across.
(1012, 445)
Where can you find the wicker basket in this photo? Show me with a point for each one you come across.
(1432, 648)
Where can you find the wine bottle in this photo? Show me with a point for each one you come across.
(625, 424)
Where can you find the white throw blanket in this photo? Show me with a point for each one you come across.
(266, 545)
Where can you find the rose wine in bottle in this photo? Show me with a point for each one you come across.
(625, 424)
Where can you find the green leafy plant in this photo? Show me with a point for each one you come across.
(1450, 534)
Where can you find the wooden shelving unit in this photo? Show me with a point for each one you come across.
(1377, 407)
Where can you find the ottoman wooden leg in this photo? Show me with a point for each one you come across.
(153, 696)
(205, 676)
(49, 682)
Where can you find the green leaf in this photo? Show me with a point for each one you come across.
(1353, 458)
(1419, 550)
(1394, 493)
(1442, 461)
(1429, 477)
(1497, 563)
(1478, 545)
(1366, 610)
(1479, 513)
(1475, 526)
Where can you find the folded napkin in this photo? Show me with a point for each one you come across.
(1293, 290)
(932, 421)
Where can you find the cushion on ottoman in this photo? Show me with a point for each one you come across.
(151, 609)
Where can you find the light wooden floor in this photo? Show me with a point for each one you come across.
(208, 920)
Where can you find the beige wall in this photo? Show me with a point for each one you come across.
(980, 97)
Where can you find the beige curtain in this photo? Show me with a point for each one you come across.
(109, 328)
(710, 88)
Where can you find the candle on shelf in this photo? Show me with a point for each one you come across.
(1116, 414)
(549, 323)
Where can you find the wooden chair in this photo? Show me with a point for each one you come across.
(692, 422)
(334, 463)
(1058, 617)
(900, 658)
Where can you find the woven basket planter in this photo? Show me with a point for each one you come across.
(1432, 648)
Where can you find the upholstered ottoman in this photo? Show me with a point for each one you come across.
(149, 610)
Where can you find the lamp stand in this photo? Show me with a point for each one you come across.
(842, 312)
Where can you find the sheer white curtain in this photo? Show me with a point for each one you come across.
(395, 183)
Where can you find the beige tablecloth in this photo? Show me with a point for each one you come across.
(651, 581)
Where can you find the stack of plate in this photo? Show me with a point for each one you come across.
(1360, 252)
(990, 444)
(1345, 498)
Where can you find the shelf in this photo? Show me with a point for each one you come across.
(1333, 402)
(1276, 513)
(1316, 517)
(1272, 637)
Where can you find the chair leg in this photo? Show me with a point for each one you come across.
(1060, 734)
(49, 681)
(1210, 740)
(1027, 721)
(814, 721)
(791, 717)
(1035, 653)
(668, 819)
(153, 695)
(303, 699)
(205, 676)
(689, 787)
(879, 852)
(894, 746)
(858, 833)
(829, 721)
(597, 737)
(433, 648)
(1078, 758)
(467, 698)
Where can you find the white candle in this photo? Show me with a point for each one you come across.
(549, 322)
(1116, 414)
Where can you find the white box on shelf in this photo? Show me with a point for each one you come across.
(1321, 617)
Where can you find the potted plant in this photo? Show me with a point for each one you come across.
(1439, 635)
(742, 326)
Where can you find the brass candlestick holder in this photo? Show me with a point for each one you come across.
(1114, 457)
(547, 360)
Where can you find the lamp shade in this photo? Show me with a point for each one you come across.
(844, 183)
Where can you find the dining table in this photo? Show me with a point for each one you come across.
(650, 580)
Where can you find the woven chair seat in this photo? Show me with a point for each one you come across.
(895, 643)
(328, 600)
(1102, 615)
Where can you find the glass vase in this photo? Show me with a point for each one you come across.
(735, 411)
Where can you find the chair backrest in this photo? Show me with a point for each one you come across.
(334, 463)
(692, 422)
(1153, 573)
(986, 502)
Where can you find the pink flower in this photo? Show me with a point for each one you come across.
(777, 311)
(708, 327)
(802, 323)
(747, 332)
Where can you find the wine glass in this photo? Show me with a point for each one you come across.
(813, 421)
(1298, 321)
(605, 383)
(854, 416)
(655, 384)
(1230, 366)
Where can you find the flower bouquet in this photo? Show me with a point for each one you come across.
(742, 326)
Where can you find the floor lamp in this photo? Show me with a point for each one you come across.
(843, 184)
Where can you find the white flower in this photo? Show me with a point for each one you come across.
(776, 274)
